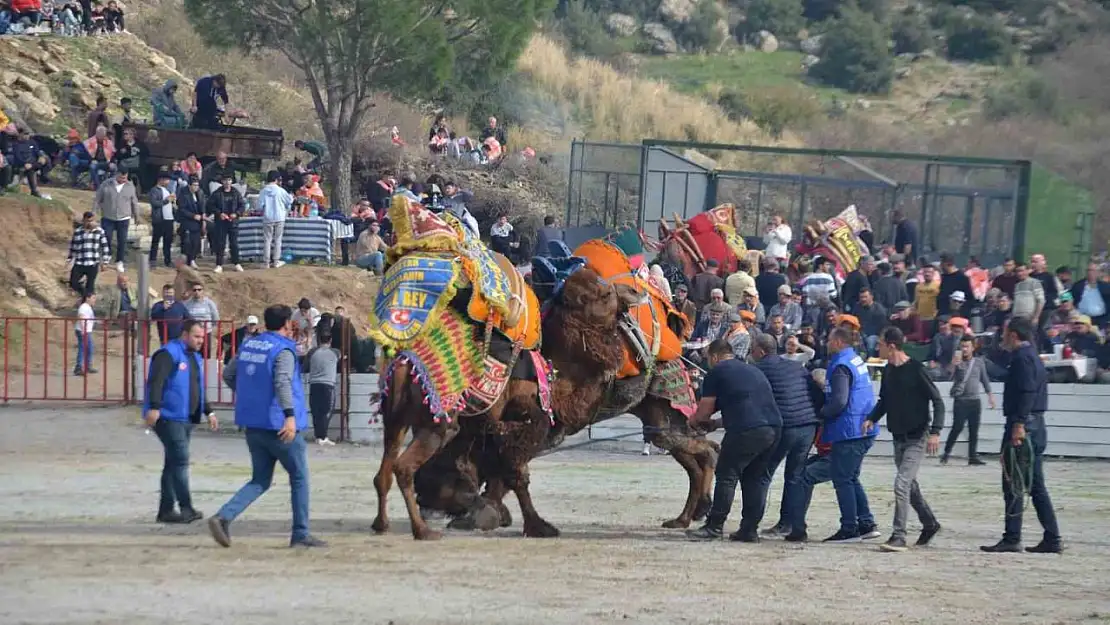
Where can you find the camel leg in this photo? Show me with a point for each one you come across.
(425, 443)
(707, 463)
(495, 495)
(394, 430)
(534, 525)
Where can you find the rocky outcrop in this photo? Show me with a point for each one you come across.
(661, 38)
(812, 45)
(621, 25)
(676, 11)
(766, 41)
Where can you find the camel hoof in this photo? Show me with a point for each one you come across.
(380, 525)
(486, 518)
(463, 523)
(506, 516)
(542, 529)
(678, 523)
(703, 508)
(426, 534)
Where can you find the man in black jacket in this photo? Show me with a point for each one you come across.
(952, 281)
(904, 397)
(225, 207)
(798, 398)
(855, 282)
(162, 205)
(1024, 402)
(190, 214)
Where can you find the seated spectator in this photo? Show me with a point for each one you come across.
(113, 18)
(941, 350)
(28, 161)
(786, 308)
(67, 22)
(740, 333)
(439, 142)
(493, 131)
(503, 239)
(751, 303)
(313, 192)
(716, 296)
(101, 152)
(167, 113)
(997, 318)
(379, 191)
(685, 306)
(1082, 339)
(491, 150)
(905, 319)
(455, 201)
(395, 137)
(776, 329)
(794, 349)
(96, 16)
(469, 150)
(438, 124)
(76, 156)
(370, 250)
(131, 155)
(713, 325)
(658, 279)
(27, 11)
(873, 317)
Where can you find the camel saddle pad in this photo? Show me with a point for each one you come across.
(671, 381)
(493, 293)
(447, 360)
(419, 229)
(413, 294)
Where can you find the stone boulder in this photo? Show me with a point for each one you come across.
(35, 110)
(812, 45)
(621, 25)
(810, 60)
(766, 41)
(677, 11)
(661, 38)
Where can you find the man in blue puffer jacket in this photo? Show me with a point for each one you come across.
(174, 403)
(849, 399)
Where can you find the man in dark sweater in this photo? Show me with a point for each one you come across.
(1024, 402)
(904, 397)
(856, 281)
(752, 427)
(952, 281)
(767, 283)
(797, 397)
(873, 317)
(889, 289)
(703, 284)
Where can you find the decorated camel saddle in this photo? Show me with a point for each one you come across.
(460, 313)
(836, 239)
(712, 235)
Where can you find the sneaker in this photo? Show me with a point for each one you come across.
(975, 462)
(238, 267)
(190, 515)
(325, 442)
(1045, 547)
(91, 370)
(741, 536)
(278, 264)
(120, 268)
(218, 269)
(796, 537)
(647, 450)
(307, 541)
(220, 532)
(867, 532)
(926, 535)
(777, 531)
(171, 517)
(894, 545)
(193, 264)
(843, 537)
(1002, 547)
(78, 371)
(705, 532)
(944, 459)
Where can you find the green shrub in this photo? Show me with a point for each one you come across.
(583, 31)
(820, 10)
(910, 33)
(1029, 95)
(979, 38)
(781, 17)
(774, 109)
(700, 32)
(855, 55)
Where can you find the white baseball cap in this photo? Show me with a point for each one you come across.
(252, 320)
(959, 296)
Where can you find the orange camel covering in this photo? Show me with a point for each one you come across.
(613, 265)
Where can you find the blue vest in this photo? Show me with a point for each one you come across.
(256, 404)
(175, 396)
(848, 425)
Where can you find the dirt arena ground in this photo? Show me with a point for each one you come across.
(78, 545)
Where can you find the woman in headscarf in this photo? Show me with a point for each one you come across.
(167, 114)
(659, 281)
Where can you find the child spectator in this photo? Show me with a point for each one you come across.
(321, 365)
(113, 18)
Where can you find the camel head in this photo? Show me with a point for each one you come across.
(578, 332)
(594, 300)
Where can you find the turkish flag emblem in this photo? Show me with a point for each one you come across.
(399, 316)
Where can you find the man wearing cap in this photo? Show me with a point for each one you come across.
(952, 281)
(703, 284)
(957, 301)
(857, 280)
(1092, 296)
(751, 302)
(787, 308)
(117, 203)
(686, 307)
(713, 325)
(741, 333)
(225, 207)
(1082, 340)
(162, 205)
(231, 341)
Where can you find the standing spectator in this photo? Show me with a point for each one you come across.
(379, 191)
(88, 250)
(162, 205)
(942, 351)
(704, 283)
(873, 317)
(163, 103)
(856, 281)
(168, 315)
(777, 237)
(905, 235)
(209, 102)
(1092, 295)
(797, 352)
(952, 280)
(117, 203)
(126, 119)
(888, 289)
(190, 214)
(925, 296)
(123, 301)
(797, 396)
(904, 397)
(969, 382)
(1029, 296)
(202, 308)
(370, 249)
(305, 319)
(1024, 402)
(849, 399)
(686, 307)
(98, 116)
(1049, 284)
(225, 207)
(787, 308)
(102, 151)
(83, 329)
(495, 131)
(275, 203)
(175, 400)
(546, 235)
(752, 425)
(739, 282)
(454, 202)
(321, 365)
(270, 405)
(1008, 279)
(769, 281)
(230, 342)
(820, 282)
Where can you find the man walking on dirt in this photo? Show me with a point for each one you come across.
(752, 428)
(1024, 402)
(270, 406)
(904, 398)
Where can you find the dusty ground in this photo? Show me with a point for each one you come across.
(79, 545)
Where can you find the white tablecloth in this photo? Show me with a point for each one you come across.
(1082, 366)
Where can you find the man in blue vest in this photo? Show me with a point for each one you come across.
(849, 399)
(174, 402)
(270, 406)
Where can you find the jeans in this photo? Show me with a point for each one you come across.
(373, 261)
(190, 244)
(161, 232)
(743, 460)
(872, 343)
(88, 272)
(271, 241)
(98, 171)
(175, 437)
(967, 411)
(793, 446)
(84, 350)
(77, 165)
(847, 460)
(266, 449)
(908, 454)
(1015, 499)
(120, 229)
(320, 404)
(223, 234)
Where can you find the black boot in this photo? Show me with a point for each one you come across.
(709, 531)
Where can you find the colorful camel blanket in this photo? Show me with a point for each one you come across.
(446, 360)
(671, 382)
(413, 294)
